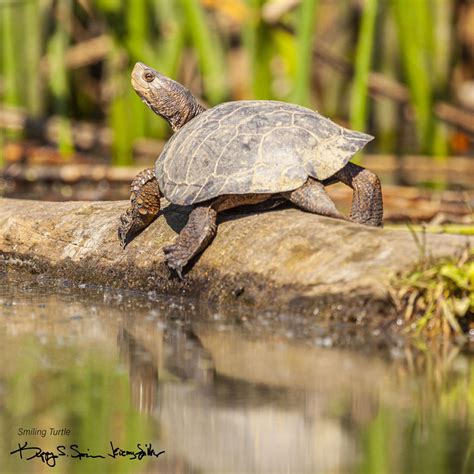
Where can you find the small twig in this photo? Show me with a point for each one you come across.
(421, 244)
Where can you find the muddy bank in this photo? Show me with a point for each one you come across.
(283, 259)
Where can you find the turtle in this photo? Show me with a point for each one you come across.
(242, 153)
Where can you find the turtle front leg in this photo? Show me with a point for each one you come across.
(367, 203)
(193, 239)
(201, 228)
(144, 206)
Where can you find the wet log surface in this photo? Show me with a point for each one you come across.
(284, 260)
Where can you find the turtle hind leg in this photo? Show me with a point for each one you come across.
(367, 203)
(312, 197)
(144, 206)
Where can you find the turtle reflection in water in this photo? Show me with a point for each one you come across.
(241, 153)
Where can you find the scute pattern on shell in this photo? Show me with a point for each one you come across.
(252, 147)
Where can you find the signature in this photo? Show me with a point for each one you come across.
(74, 452)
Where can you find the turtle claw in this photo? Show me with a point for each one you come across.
(176, 257)
(177, 269)
(178, 272)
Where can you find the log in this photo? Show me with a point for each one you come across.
(286, 259)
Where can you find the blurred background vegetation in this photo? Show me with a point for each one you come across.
(402, 70)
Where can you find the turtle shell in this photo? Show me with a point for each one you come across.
(252, 147)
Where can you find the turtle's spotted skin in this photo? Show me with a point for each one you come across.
(242, 153)
(252, 146)
(145, 205)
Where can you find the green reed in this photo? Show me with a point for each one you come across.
(7, 64)
(19, 90)
(208, 48)
(32, 64)
(256, 40)
(10, 60)
(305, 30)
(362, 66)
(58, 75)
(167, 56)
(385, 112)
(127, 116)
(441, 57)
(414, 33)
(171, 35)
(118, 115)
(138, 25)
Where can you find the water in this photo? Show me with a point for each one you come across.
(216, 397)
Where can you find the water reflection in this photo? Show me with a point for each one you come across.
(120, 367)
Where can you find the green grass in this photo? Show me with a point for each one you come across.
(437, 298)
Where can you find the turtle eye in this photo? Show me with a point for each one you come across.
(148, 76)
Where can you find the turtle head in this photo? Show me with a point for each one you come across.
(167, 98)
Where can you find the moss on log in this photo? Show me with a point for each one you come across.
(280, 259)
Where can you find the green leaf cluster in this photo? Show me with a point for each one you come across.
(439, 298)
